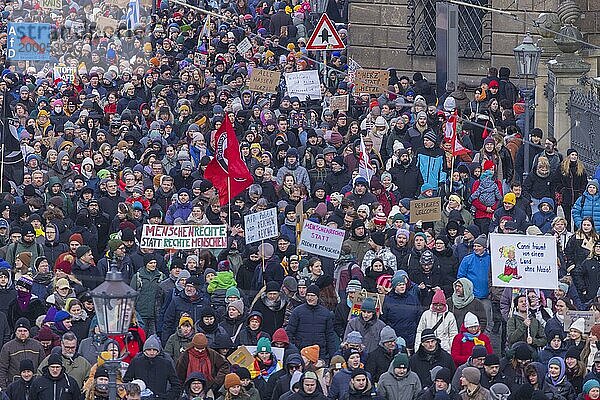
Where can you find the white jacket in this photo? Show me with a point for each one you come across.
(445, 332)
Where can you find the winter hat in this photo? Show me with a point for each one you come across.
(25, 257)
(444, 374)
(336, 362)
(81, 250)
(263, 345)
(114, 244)
(22, 323)
(311, 353)
(385, 281)
(232, 380)
(354, 337)
(272, 286)
(55, 359)
(233, 292)
(589, 385)
(470, 320)
(430, 135)
(368, 305)
(281, 336)
(243, 373)
(579, 325)
(428, 334)
(439, 298)
(76, 237)
(353, 286)
(387, 334)
(290, 283)
(426, 258)
(313, 289)
(25, 281)
(499, 391)
(62, 283)
(473, 230)
(481, 240)
(199, 341)
(378, 238)
(400, 361)
(357, 372)
(478, 351)
(26, 365)
(488, 164)
(152, 343)
(238, 305)
(399, 277)
(523, 353)
(572, 352)
(510, 198)
(491, 359)
(61, 315)
(403, 232)
(186, 319)
(472, 375)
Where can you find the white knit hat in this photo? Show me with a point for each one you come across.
(471, 320)
(578, 324)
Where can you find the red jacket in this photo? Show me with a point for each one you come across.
(462, 347)
(480, 209)
(135, 343)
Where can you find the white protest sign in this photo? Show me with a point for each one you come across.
(261, 225)
(244, 46)
(571, 316)
(321, 240)
(303, 84)
(64, 73)
(184, 237)
(524, 261)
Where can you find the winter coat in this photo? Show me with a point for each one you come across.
(430, 394)
(178, 210)
(590, 208)
(411, 179)
(586, 277)
(378, 361)
(368, 329)
(431, 166)
(273, 315)
(402, 313)
(146, 282)
(475, 307)
(219, 368)
(570, 186)
(482, 198)
(422, 362)
(516, 331)
(389, 260)
(561, 391)
(177, 344)
(11, 355)
(445, 331)
(537, 187)
(299, 172)
(518, 216)
(335, 181)
(46, 387)
(392, 387)
(76, 367)
(440, 225)
(88, 275)
(476, 268)
(340, 384)
(158, 373)
(310, 325)
(480, 393)
(340, 318)
(19, 389)
(183, 304)
(463, 343)
(543, 220)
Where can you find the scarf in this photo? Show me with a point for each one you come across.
(462, 302)
(470, 337)
(23, 299)
(199, 362)
(264, 369)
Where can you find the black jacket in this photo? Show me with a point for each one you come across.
(422, 362)
(408, 179)
(46, 387)
(158, 373)
(378, 362)
(19, 389)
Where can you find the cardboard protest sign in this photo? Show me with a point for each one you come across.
(303, 84)
(261, 225)
(118, 3)
(572, 315)
(278, 351)
(425, 210)
(321, 240)
(357, 303)
(104, 22)
(264, 81)
(242, 357)
(371, 81)
(51, 4)
(524, 261)
(184, 237)
(339, 102)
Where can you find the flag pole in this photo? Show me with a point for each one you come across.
(3, 119)
(451, 171)
(229, 198)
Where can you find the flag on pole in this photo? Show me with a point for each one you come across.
(205, 31)
(227, 171)
(353, 66)
(365, 169)
(451, 135)
(12, 156)
(485, 133)
(133, 13)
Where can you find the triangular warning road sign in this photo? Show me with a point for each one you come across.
(325, 36)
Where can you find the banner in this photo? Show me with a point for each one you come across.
(524, 261)
(261, 225)
(321, 240)
(426, 210)
(104, 22)
(371, 81)
(264, 81)
(184, 237)
(303, 84)
(28, 41)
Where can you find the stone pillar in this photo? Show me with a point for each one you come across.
(550, 21)
(568, 69)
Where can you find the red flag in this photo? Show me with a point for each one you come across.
(485, 133)
(450, 132)
(227, 172)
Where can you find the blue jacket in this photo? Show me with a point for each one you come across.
(178, 210)
(544, 220)
(476, 269)
(591, 208)
(431, 169)
(310, 325)
(340, 384)
(402, 312)
(183, 304)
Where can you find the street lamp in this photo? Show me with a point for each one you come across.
(114, 303)
(527, 58)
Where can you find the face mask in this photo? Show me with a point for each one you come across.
(57, 110)
(102, 387)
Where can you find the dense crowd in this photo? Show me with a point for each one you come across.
(406, 312)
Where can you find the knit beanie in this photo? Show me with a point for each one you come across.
(200, 341)
(311, 353)
(589, 385)
(399, 277)
(499, 391)
(238, 305)
(263, 345)
(152, 343)
(231, 380)
(472, 375)
(400, 361)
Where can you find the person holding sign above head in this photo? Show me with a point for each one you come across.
(523, 328)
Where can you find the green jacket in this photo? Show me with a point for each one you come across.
(223, 280)
(177, 344)
(146, 283)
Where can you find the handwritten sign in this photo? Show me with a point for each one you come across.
(244, 46)
(425, 210)
(51, 4)
(339, 102)
(242, 357)
(303, 84)
(64, 72)
(118, 3)
(371, 81)
(572, 316)
(184, 237)
(523, 261)
(264, 81)
(103, 23)
(261, 225)
(358, 300)
(321, 240)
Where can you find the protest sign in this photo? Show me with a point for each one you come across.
(572, 315)
(278, 351)
(371, 81)
(303, 84)
(524, 261)
(242, 357)
(261, 225)
(360, 297)
(64, 73)
(118, 3)
(51, 4)
(104, 22)
(425, 210)
(244, 46)
(28, 41)
(321, 240)
(184, 237)
(264, 81)
(339, 102)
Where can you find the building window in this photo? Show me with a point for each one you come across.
(474, 29)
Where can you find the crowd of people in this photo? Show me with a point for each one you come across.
(406, 312)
